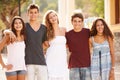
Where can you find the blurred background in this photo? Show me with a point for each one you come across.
(91, 9)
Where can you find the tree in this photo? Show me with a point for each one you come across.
(9, 9)
(91, 7)
(98, 8)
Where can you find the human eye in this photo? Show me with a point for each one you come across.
(35, 12)
(79, 21)
(20, 22)
(74, 21)
(31, 12)
(54, 15)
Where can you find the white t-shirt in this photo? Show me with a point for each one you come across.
(16, 56)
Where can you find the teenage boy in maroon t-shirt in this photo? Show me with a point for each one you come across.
(78, 44)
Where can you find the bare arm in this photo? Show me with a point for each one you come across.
(111, 45)
(90, 45)
(68, 53)
(63, 29)
(45, 46)
(3, 42)
(11, 35)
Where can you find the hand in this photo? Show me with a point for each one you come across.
(11, 35)
(8, 67)
(111, 77)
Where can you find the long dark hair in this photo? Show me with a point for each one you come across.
(23, 31)
(107, 32)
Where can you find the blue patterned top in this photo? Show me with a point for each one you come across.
(101, 60)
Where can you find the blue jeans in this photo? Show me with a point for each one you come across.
(80, 73)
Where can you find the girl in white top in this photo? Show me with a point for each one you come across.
(16, 50)
(56, 55)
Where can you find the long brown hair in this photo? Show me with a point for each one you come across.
(23, 31)
(50, 30)
(107, 32)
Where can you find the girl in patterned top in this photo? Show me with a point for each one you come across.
(101, 43)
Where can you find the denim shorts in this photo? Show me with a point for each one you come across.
(80, 73)
(19, 72)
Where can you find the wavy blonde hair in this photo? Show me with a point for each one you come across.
(46, 21)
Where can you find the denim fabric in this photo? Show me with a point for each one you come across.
(15, 73)
(80, 74)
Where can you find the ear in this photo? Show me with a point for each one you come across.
(72, 22)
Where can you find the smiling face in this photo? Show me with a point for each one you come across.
(33, 14)
(77, 22)
(99, 27)
(53, 18)
(18, 26)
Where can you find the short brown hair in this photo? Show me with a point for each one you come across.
(33, 6)
(79, 15)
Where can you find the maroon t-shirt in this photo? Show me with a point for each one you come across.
(78, 43)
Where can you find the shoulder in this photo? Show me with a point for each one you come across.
(86, 29)
(27, 23)
(43, 26)
(69, 33)
(110, 39)
(91, 39)
(63, 29)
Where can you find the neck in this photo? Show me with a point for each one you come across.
(19, 37)
(55, 26)
(33, 21)
(99, 34)
(77, 29)
(18, 33)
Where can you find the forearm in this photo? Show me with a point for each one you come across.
(2, 43)
(1, 61)
(111, 45)
(113, 59)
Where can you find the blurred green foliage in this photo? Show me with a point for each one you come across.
(9, 8)
(2, 25)
(91, 7)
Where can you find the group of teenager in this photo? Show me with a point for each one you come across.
(91, 52)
